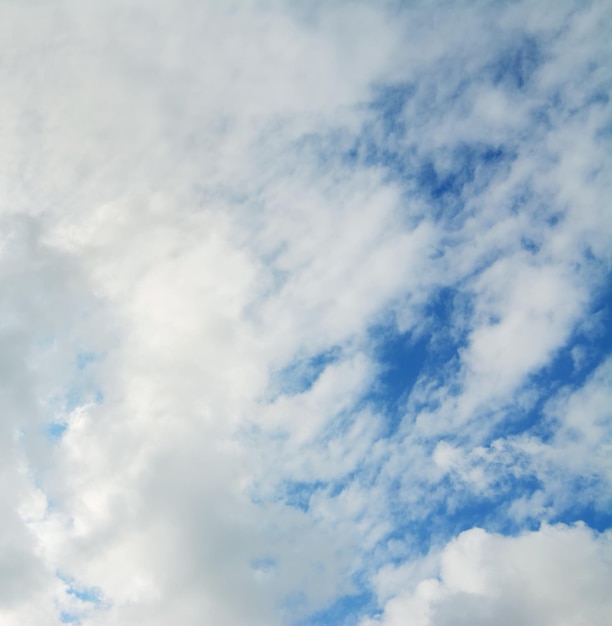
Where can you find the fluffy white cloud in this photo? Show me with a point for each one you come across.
(556, 575)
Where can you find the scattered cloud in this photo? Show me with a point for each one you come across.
(304, 313)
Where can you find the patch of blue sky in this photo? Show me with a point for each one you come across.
(597, 518)
(412, 538)
(83, 359)
(490, 512)
(402, 359)
(585, 498)
(345, 611)
(467, 170)
(525, 417)
(297, 494)
(301, 374)
(445, 179)
(55, 430)
(77, 396)
(465, 160)
(381, 142)
(88, 597)
(409, 360)
(381, 145)
(515, 66)
(602, 308)
(72, 399)
(86, 594)
(388, 105)
(530, 245)
(447, 313)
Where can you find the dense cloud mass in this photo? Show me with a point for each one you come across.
(305, 313)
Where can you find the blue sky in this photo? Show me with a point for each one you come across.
(305, 313)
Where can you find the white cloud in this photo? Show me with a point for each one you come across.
(557, 575)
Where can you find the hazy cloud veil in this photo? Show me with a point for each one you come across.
(305, 313)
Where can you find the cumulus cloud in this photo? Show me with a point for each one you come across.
(556, 575)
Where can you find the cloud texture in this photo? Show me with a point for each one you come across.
(304, 313)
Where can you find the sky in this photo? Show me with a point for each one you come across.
(305, 313)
